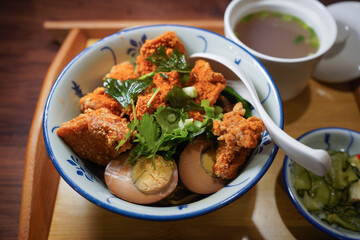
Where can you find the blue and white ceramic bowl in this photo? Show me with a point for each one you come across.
(84, 73)
(339, 139)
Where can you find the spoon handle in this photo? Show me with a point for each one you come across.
(315, 160)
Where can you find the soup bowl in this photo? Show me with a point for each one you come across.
(290, 74)
(330, 138)
(84, 73)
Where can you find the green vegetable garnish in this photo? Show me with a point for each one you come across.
(125, 91)
(153, 96)
(299, 39)
(176, 62)
(131, 126)
(247, 18)
(157, 135)
(176, 98)
(335, 197)
(234, 97)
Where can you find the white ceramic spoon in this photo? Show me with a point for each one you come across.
(317, 161)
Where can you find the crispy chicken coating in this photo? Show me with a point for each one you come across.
(237, 136)
(196, 115)
(168, 39)
(122, 71)
(208, 83)
(94, 135)
(228, 161)
(99, 99)
(165, 84)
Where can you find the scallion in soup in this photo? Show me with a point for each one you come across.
(277, 34)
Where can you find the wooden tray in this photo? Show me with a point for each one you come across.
(52, 209)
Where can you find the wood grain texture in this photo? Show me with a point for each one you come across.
(27, 50)
(40, 177)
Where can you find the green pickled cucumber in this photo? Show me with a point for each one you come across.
(301, 178)
(340, 173)
(319, 194)
(336, 197)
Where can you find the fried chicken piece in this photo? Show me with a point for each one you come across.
(168, 39)
(229, 161)
(99, 99)
(237, 137)
(122, 71)
(94, 135)
(165, 85)
(208, 83)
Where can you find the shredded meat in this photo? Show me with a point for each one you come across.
(94, 135)
(237, 136)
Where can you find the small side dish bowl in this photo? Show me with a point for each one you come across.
(85, 72)
(332, 138)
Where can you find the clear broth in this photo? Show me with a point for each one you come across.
(276, 34)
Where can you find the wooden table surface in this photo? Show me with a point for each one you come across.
(27, 50)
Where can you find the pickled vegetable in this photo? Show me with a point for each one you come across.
(335, 198)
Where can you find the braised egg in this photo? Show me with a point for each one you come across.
(196, 168)
(147, 181)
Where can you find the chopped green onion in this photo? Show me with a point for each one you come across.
(152, 97)
(299, 39)
(190, 91)
(171, 118)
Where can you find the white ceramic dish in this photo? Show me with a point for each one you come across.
(339, 139)
(291, 75)
(85, 72)
(342, 62)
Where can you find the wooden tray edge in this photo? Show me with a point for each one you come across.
(41, 179)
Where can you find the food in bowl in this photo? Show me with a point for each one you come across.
(162, 119)
(287, 36)
(341, 144)
(334, 198)
(83, 74)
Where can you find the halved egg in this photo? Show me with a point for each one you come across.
(196, 168)
(145, 182)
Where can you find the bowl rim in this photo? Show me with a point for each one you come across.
(307, 215)
(139, 215)
(229, 11)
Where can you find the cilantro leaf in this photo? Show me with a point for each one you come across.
(131, 126)
(149, 129)
(163, 132)
(176, 62)
(125, 91)
(176, 98)
(169, 118)
(234, 97)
